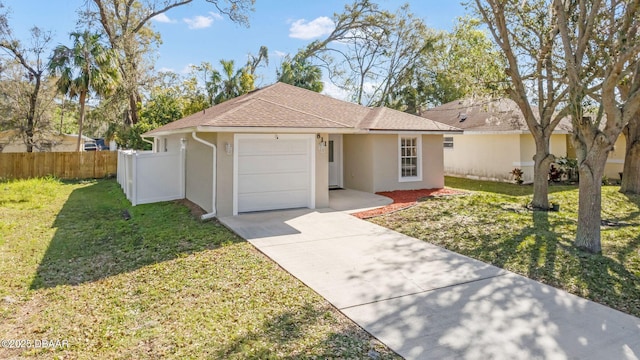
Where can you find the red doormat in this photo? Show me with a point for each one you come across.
(403, 199)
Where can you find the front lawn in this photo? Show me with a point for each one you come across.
(493, 225)
(158, 285)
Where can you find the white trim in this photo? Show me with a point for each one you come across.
(293, 130)
(419, 159)
(523, 163)
(312, 163)
(412, 132)
(339, 156)
(509, 132)
(615, 161)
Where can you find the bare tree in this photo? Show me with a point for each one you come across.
(528, 36)
(30, 57)
(126, 24)
(601, 51)
(371, 51)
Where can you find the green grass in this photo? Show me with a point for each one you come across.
(160, 285)
(492, 224)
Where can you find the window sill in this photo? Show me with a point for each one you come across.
(410, 179)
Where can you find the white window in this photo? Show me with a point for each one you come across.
(448, 142)
(410, 161)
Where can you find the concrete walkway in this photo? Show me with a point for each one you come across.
(425, 302)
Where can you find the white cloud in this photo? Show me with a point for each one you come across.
(202, 22)
(335, 92)
(301, 29)
(165, 69)
(215, 15)
(162, 18)
(280, 53)
(186, 69)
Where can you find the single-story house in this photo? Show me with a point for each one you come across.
(495, 140)
(284, 147)
(11, 142)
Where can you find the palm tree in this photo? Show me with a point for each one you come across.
(87, 66)
(236, 83)
(301, 73)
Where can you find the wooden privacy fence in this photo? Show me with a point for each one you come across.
(63, 165)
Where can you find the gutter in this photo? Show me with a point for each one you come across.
(153, 143)
(212, 214)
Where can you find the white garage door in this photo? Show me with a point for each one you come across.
(273, 172)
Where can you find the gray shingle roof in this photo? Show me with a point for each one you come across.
(286, 106)
(498, 115)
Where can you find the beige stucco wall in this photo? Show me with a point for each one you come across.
(224, 175)
(386, 150)
(494, 156)
(357, 164)
(199, 169)
(433, 176)
(483, 156)
(371, 163)
(322, 174)
(615, 161)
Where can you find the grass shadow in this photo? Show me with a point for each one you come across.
(290, 332)
(503, 188)
(93, 240)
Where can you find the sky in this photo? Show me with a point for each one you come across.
(195, 32)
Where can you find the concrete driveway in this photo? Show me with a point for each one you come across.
(425, 302)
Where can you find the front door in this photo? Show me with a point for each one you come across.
(335, 160)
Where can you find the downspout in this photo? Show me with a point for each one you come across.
(153, 143)
(213, 181)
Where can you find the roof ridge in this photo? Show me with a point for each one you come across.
(372, 118)
(240, 102)
(303, 112)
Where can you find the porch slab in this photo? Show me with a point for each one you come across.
(352, 201)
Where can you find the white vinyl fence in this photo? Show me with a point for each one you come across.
(148, 177)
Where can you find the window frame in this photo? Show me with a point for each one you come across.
(445, 142)
(418, 147)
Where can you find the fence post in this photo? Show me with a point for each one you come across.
(134, 174)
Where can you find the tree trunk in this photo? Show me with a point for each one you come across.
(31, 114)
(542, 160)
(83, 98)
(631, 172)
(590, 203)
(133, 107)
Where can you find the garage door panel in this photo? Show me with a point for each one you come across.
(272, 201)
(272, 147)
(268, 164)
(272, 182)
(273, 173)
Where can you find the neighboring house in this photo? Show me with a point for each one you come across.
(11, 142)
(284, 147)
(496, 139)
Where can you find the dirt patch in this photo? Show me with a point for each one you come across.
(403, 199)
(195, 210)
